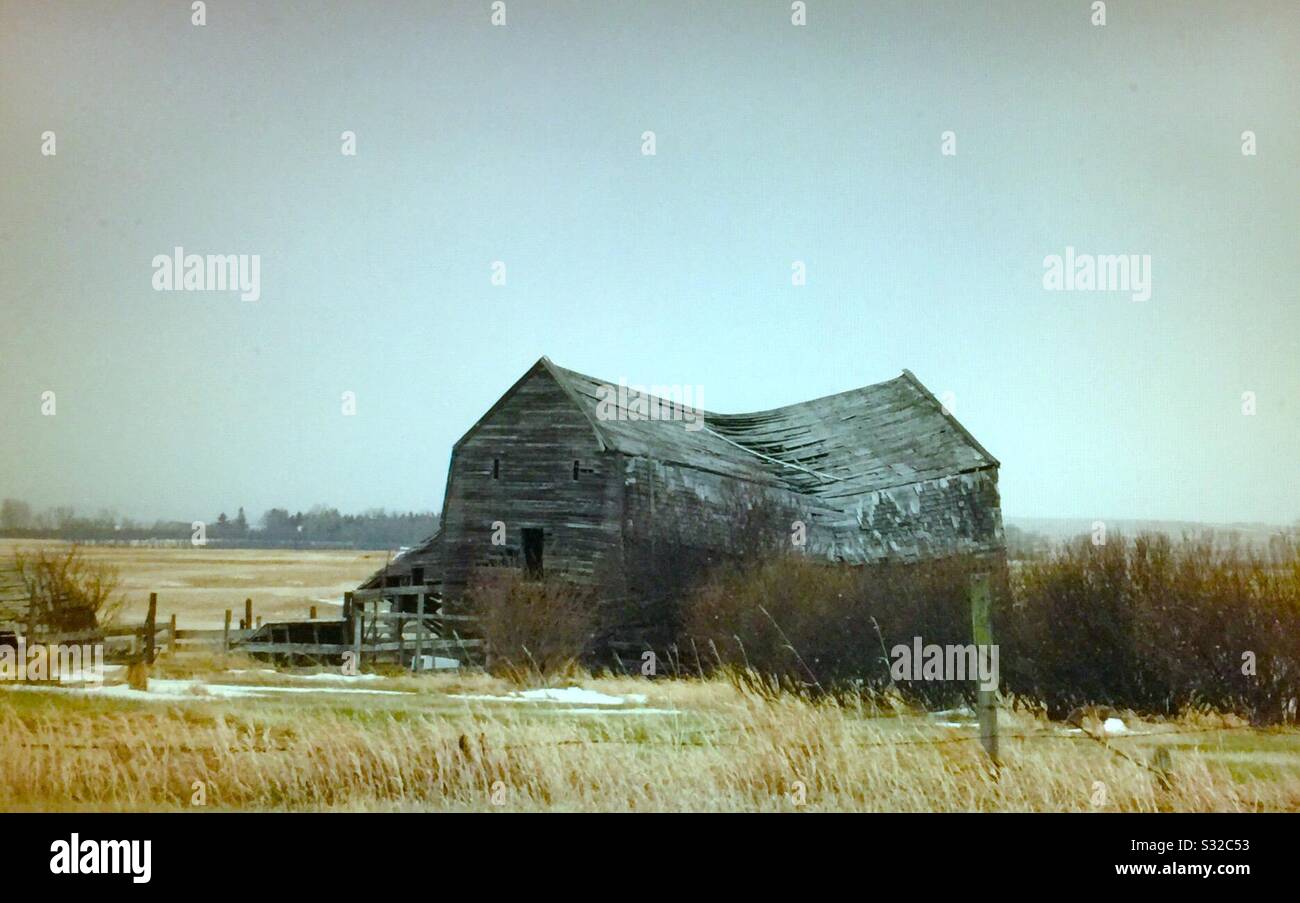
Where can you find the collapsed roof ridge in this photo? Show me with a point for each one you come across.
(887, 433)
(718, 415)
(790, 464)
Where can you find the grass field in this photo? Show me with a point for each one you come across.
(244, 737)
(463, 742)
(199, 584)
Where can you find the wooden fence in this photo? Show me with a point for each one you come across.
(399, 636)
(368, 635)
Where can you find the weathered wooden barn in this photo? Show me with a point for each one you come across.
(570, 474)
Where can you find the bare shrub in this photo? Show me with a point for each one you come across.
(680, 554)
(66, 591)
(1158, 626)
(809, 624)
(1147, 624)
(531, 627)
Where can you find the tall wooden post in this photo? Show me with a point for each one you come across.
(313, 612)
(358, 627)
(399, 618)
(248, 614)
(419, 632)
(32, 617)
(171, 637)
(982, 631)
(225, 639)
(150, 628)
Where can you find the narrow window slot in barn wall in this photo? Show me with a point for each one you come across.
(496, 468)
(575, 470)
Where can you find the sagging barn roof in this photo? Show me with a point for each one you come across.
(832, 448)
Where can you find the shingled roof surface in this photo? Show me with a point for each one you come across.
(834, 448)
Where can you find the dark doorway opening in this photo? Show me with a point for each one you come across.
(533, 543)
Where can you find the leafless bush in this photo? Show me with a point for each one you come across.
(531, 627)
(66, 591)
(1157, 625)
(1147, 624)
(665, 567)
(807, 623)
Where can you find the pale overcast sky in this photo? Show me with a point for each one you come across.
(775, 143)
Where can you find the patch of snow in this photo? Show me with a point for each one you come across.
(569, 695)
(165, 690)
(578, 696)
(160, 690)
(89, 675)
(330, 675)
(81, 676)
(438, 663)
(610, 711)
(331, 690)
(194, 688)
(959, 712)
(954, 724)
(1114, 726)
(321, 675)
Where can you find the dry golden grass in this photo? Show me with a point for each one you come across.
(199, 584)
(723, 749)
(718, 747)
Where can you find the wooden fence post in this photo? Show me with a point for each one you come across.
(1162, 765)
(150, 628)
(313, 612)
(171, 637)
(982, 630)
(225, 639)
(31, 619)
(248, 614)
(358, 627)
(400, 620)
(419, 632)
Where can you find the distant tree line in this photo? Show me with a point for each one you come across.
(277, 528)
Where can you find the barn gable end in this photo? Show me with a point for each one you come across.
(515, 469)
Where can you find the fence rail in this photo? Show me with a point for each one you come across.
(363, 631)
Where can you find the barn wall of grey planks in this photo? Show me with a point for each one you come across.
(514, 471)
